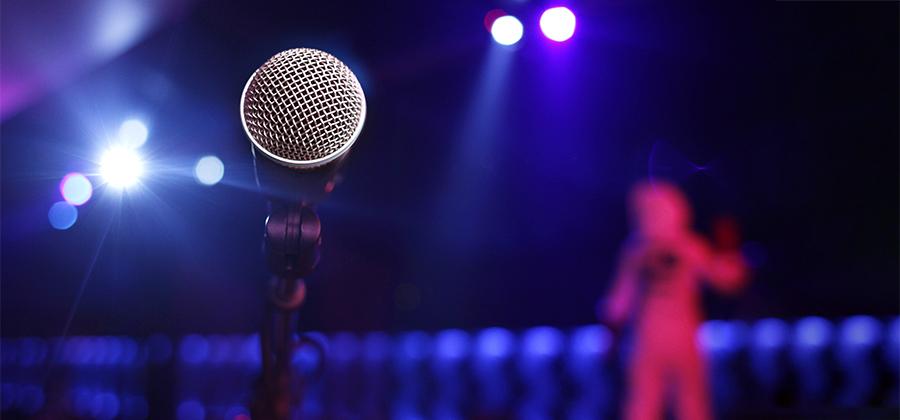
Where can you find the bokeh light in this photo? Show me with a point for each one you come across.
(507, 30)
(76, 189)
(133, 133)
(121, 167)
(190, 410)
(558, 23)
(62, 215)
(209, 170)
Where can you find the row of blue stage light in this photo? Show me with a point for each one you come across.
(120, 168)
(859, 346)
(714, 336)
(556, 23)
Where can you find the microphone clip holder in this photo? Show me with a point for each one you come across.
(292, 243)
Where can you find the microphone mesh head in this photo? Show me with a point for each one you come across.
(303, 108)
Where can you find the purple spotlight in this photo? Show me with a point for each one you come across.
(558, 23)
(76, 189)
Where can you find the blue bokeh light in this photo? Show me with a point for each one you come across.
(194, 349)
(209, 170)
(62, 215)
(495, 343)
(76, 189)
(191, 410)
(133, 133)
(452, 344)
(861, 330)
(770, 333)
(542, 342)
(813, 331)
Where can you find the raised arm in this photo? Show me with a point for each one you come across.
(726, 271)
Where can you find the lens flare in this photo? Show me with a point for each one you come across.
(133, 133)
(62, 215)
(76, 189)
(558, 23)
(121, 167)
(507, 30)
(209, 170)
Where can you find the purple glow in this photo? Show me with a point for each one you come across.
(558, 23)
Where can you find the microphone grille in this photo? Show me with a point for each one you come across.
(303, 108)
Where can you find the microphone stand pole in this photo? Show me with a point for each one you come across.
(293, 239)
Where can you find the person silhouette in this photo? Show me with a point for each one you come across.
(662, 266)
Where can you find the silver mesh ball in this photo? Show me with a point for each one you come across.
(303, 108)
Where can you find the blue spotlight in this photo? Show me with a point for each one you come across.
(76, 189)
(507, 30)
(190, 410)
(209, 170)
(62, 215)
(558, 24)
(133, 133)
(194, 349)
(770, 333)
(121, 167)
(813, 331)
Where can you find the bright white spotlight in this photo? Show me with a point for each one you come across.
(209, 170)
(133, 133)
(507, 30)
(121, 167)
(558, 23)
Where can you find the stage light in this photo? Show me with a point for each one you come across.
(190, 410)
(209, 170)
(133, 133)
(507, 30)
(770, 333)
(76, 189)
(495, 343)
(861, 330)
(121, 167)
(194, 349)
(558, 23)
(62, 215)
(813, 331)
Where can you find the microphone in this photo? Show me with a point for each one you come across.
(303, 110)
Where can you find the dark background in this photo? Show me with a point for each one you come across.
(477, 195)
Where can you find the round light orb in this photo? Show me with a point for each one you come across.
(558, 23)
(190, 410)
(209, 170)
(76, 189)
(133, 133)
(121, 167)
(62, 215)
(507, 30)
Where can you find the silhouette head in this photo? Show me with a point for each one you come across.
(659, 209)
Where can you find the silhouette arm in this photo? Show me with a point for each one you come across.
(725, 271)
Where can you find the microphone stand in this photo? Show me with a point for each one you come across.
(293, 240)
